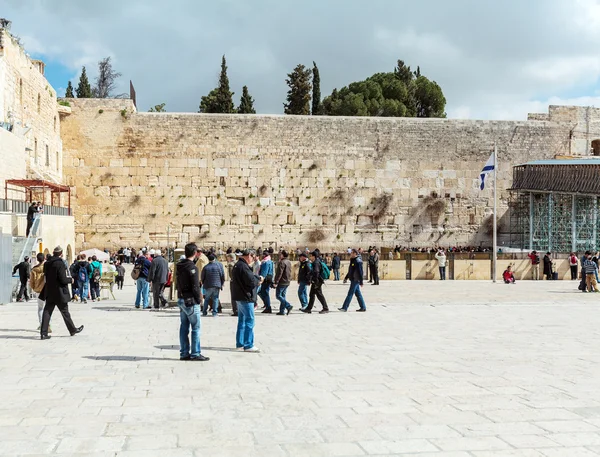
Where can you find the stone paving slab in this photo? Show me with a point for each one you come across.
(433, 369)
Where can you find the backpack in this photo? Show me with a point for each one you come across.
(95, 274)
(137, 271)
(82, 274)
(325, 272)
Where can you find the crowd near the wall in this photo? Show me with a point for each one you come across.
(199, 278)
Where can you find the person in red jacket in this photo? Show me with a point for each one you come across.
(535, 265)
(509, 277)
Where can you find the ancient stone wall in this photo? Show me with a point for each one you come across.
(28, 103)
(288, 180)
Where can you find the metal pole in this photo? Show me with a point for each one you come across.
(495, 239)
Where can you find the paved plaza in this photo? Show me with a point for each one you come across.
(433, 369)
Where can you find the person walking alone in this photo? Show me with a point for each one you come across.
(335, 266)
(24, 270)
(57, 280)
(37, 282)
(441, 258)
(244, 284)
(355, 275)
(212, 278)
(573, 265)
(304, 274)
(316, 285)
(157, 275)
(283, 277)
(266, 273)
(189, 301)
(120, 278)
(374, 266)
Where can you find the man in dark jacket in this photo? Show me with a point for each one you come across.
(189, 302)
(283, 276)
(24, 274)
(212, 278)
(316, 285)
(355, 275)
(142, 283)
(244, 285)
(374, 266)
(335, 266)
(304, 273)
(157, 275)
(57, 279)
(31, 213)
(548, 266)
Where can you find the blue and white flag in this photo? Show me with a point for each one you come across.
(488, 168)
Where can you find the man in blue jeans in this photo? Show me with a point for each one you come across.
(355, 274)
(266, 272)
(212, 277)
(243, 290)
(189, 300)
(304, 272)
(143, 286)
(283, 277)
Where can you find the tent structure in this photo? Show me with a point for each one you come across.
(100, 255)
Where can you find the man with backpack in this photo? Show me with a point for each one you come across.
(304, 275)
(535, 265)
(320, 272)
(140, 272)
(83, 273)
(95, 275)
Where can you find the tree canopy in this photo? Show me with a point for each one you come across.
(84, 90)
(106, 80)
(220, 99)
(396, 94)
(158, 108)
(246, 103)
(298, 97)
(317, 107)
(69, 92)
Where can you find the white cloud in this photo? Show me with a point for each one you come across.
(493, 59)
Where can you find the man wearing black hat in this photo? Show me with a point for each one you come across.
(57, 293)
(24, 274)
(316, 284)
(304, 270)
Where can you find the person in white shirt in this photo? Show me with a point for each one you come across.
(441, 258)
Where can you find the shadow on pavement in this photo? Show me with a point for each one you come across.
(113, 308)
(124, 358)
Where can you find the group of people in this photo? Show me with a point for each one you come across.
(200, 278)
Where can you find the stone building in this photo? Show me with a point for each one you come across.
(252, 180)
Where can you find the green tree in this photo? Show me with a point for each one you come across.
(317, 107)
(298, 97)
(246, 103)
(395, 94)
(220, 99)
(84, 90)
(69, 91)
(158, 108)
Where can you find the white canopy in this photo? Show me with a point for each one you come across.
(100, 255)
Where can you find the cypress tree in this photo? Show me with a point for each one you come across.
(69, 91)
(220, 99)
(298, 97)
(317, 108)
(84, 90)
(246, 103)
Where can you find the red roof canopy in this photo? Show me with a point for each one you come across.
(31, 184)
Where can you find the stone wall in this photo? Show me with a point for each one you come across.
(28, 102)
(12, 152)
(288, 180)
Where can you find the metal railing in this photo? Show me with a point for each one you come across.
(21, 207)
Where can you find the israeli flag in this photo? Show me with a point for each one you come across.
(488, 168)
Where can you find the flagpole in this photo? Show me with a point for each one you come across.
(495, 237)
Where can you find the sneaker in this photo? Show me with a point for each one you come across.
(343, 310)
(252, 349)
(267, 311)
(361, 310)
(240, 349)
(187, 357)
(306, 311)
(324, 311)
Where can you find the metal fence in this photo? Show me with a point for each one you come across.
(21, 207)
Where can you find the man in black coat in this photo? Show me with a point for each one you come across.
(31, 213)
(243, 290)
(316, 285)
(57, 293)
(24, 273)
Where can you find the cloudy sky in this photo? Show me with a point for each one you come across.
(493, 59)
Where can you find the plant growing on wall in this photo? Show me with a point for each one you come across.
(316, 235)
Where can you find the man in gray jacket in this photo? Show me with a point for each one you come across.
(283, 276)
(157, 275)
